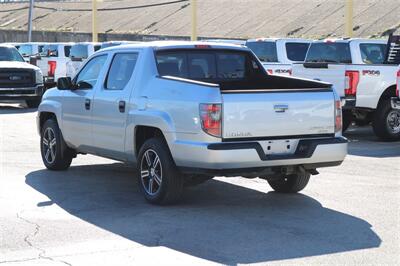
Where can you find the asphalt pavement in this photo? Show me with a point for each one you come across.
(94, 214)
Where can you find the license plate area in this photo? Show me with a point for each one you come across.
(279, 147)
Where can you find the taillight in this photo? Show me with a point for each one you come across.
(398, 84)
(270, 71)
(52, 68)
(338, 116)
(211, 117)
(352, 79)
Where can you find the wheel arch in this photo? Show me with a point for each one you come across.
(145, 132)
(387, 93)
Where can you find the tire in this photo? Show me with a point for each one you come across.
(33, 103)
(159, 180)
(347, 119)
(55, 156)
(386, 122)
(290, 184)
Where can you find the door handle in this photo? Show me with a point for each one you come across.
(281, 108)
(121, 106)
(87, 104)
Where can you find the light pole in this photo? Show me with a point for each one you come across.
(94, 21)
(349, 18)
(194, 20)
(30, 18)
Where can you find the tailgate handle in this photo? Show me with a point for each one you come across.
(280, 108)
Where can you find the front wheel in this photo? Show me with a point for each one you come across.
(386, 123)
(158, 178)
(291, 183)
(55, 153)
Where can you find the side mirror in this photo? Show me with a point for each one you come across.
(82, 85)
(64, 83)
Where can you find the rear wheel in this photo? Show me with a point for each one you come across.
(291, 183)
(347, 119)
(55, 153)
(386, 122)
(159, 179)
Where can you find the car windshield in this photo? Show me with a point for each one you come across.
(49, 51)
(329, 52)
(10, 54)
(265, 51)
(79, 51)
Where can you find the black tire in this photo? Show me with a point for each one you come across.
(291, 183)
(346, 119)
(161, 183)
(55, 156)
(386, 122)
(33, 103)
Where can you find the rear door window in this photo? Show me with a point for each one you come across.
(121, 71)
(296, 51)
(265, 51)
(329, 52)
(79, 51)
(373, 53)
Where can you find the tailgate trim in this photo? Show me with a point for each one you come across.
(278, 90)
(309, 136)
(305, 148)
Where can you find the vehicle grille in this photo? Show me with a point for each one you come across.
(17, 92)
(16, 78)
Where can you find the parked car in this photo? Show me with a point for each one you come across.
(29, 49)
(18, 79)
(185, 112)
(396, 99)
(278, 55)
(53, 62)
(78, 55)
(356, 69)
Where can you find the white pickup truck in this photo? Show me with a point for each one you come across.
(29, 49)
(53, 61)
(185, 112)
(278, 55)
(357, 71)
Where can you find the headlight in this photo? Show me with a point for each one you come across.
(38, 76)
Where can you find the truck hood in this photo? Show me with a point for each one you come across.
(15, 64)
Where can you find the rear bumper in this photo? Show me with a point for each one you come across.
(348, 102)
(395, 103)
(226, 157)
(21, 93)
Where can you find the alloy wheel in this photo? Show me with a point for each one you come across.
(151, 172)
(49, 145)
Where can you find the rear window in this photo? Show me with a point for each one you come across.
(79, 51)
(25, 49)
(265, 51)
(49, 51)
(205, 65)
(329, 52)
(296, 51)
(373, 53)
(10, 54)
(67, 50)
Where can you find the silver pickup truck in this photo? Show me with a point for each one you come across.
(184, 112)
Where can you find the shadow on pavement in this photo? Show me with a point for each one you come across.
(216, 221)
(15, 109)
(363, 142)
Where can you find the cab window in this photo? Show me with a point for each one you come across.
(91, 71)
(120, 71)
(296, 51)
(373, 53)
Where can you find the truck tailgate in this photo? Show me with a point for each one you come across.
(332, 73)
(278, 113)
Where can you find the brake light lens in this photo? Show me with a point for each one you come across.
(338, 116)
(352, 79)
(270, 71)
(398, 84)
(211, 119)
(52, 68)
(202, 46)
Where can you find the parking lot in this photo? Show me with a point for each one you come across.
(94, 214)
